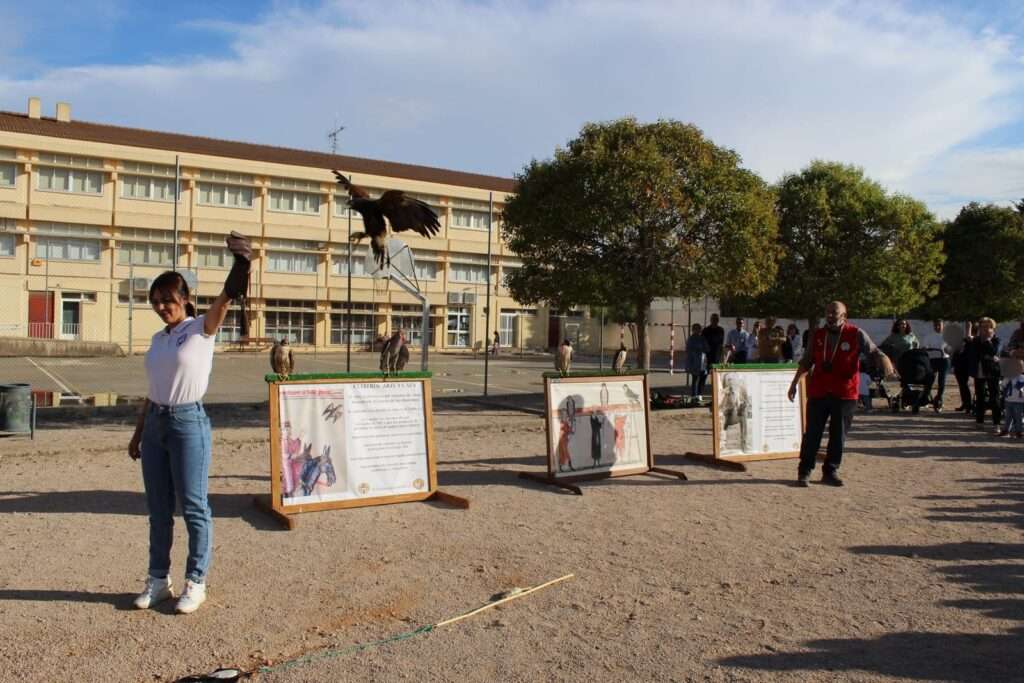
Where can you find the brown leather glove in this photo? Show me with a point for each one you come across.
(237, 283)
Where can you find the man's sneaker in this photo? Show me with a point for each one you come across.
(193, 596)
(803, 480)
(1002, 432)
(156, 591)
(831, 480)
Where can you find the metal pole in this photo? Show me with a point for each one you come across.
(177, 185)
(316, 301)
(672, 340)
(487, 310)
(131, 298)
(348, 311)
(602, 339)
(48, 327)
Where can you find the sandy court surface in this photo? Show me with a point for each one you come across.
(913, 571)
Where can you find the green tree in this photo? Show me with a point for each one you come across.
(843, 237)
(629, 212)
(984, 269)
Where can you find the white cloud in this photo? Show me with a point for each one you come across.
(485, 87)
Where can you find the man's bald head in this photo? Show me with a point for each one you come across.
(835, 315)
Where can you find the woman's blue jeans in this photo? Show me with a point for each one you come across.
(176, 466)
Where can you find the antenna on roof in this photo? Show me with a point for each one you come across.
(333, 137)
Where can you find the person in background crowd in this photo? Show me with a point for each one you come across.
(938, 353)
(901, 339)
(715, 336)
(1013, 396)
(983, 367)
(864, 390)
(808, 333)
(752, 348)
(794, 346)
(736, 342)
(697, 362)
(962, 373)
(1016, 342)
(833, 361)
(496, 343)
(770, 342)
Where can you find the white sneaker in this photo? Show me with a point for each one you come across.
(191, 598)
(156, 590)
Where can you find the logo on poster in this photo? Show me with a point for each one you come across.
(363, 488)
(417, 484)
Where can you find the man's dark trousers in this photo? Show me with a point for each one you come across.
(838, 412)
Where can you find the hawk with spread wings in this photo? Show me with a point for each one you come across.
(403, 213)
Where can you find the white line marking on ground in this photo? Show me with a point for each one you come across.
(64, 387)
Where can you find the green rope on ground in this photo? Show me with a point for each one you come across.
(330, 654)
(273, 377)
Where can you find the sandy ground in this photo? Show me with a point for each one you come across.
(913, 571)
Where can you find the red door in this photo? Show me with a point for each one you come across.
(40, 315)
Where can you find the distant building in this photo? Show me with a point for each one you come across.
(86, 222)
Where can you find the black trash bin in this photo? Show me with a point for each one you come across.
(16, 408)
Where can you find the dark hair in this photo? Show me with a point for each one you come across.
(171, 282)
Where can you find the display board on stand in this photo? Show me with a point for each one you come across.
(752, 416)
(598, 426)
(351, 440)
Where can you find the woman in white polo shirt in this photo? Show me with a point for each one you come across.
(172, 436)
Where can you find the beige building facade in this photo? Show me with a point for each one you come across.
(87, 215)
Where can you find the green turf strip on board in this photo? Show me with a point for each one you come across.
(592, 373)
(271, 377)
(755, 366)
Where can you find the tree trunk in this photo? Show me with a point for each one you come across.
(644, 353)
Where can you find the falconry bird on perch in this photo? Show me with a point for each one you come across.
(281, 360)
(403, 213)
(563, 358)
(403, 358)
(390, 354)
(619, 363)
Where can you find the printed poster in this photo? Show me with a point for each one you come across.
(354, 440)
(597, 425)
(753, 414)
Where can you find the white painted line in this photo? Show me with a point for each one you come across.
(64, 387)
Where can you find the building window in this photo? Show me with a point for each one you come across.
(467, 272)
(341, 207)
(339, 262)
(464, 218)
(6, 245)
(458, 327)
(144, 254)
(67, 249)
(143, 187)
(290, 262)
(212, 257)
(8, 174)
(294, 202)
(219, 194)
(364, 329)
(413, 325)
(231, 329)
(297, 326)
(70, 180)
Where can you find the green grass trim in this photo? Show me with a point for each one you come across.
(755, 366)
(593, 373)
(272, 377)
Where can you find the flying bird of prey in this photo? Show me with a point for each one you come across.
(332, 412)
(390, 353)
(403, 213)
(619, 363)
(281, 360)
(563, 358)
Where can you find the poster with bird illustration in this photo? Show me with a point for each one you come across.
(597, 426)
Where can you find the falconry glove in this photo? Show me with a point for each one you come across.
(237, 283)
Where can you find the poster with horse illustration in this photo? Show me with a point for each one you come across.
(348, 443)
(597, 426)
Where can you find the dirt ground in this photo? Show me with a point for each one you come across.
(913, 571)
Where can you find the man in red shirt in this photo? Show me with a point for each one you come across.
(832, 358)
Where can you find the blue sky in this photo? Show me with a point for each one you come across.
(928, 97)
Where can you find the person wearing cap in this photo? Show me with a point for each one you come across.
(831, 361)
(172, 436)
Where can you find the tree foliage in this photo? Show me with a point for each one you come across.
(629, 212)
(984, 269)
(843, 237)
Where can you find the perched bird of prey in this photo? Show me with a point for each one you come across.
(403, 213)
(390, 353)
(281, 360)
(563, 358)
(619, 363)
(403, 357)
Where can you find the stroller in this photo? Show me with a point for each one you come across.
(916, 380)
